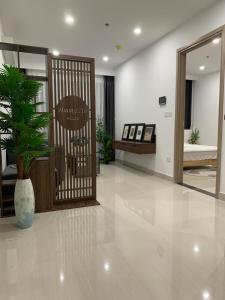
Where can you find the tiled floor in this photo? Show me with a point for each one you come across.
(201, 180)
(149, 240)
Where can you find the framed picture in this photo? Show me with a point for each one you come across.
(149, 132)
(139, 132)
(126, 130)
(132, 131)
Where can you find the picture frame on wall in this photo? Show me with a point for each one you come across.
(139, 132)
(126, 130)
(132, 132)
(149, 132)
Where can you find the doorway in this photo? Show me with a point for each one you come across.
(198, 124)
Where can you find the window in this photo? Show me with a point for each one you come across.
(188, 104)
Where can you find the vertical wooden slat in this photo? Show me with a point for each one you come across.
(69, 134)
(79, 154)
(93, 128)
(62, 129)
(83, 158)
(85, 133)
(61, 150)
(88, 135)
(51, 130)
(74, 132)
(65, 133)
(74, 194)
(55, 123)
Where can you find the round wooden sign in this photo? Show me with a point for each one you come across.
(72, 112)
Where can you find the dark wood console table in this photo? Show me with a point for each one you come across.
(135, 147)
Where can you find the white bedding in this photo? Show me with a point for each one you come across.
(199, 152)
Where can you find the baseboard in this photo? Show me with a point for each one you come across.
(145, 170)
(163, 176)
(222, 196)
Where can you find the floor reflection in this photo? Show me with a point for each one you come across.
(149, 239)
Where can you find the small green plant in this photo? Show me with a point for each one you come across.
(195, 136)
(105, 141)
(19, 119)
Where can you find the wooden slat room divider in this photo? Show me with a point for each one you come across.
(72, 132)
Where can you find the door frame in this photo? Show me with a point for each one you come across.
(180, 104)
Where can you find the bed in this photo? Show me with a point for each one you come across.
(199, 155)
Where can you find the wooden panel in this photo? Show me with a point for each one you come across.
(23, 48)
(40, 177)
(135, 147)
(198, 163)
(72, 133)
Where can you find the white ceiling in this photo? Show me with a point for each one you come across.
(40, 23)
(208, 56)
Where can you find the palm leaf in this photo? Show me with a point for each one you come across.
(18, 116)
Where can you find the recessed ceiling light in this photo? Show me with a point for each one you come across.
(196, 248)
(202, 68)
(106, 266)
(55, 52)
(206, 295)
(61, 277)
(69, 19)
(216, 41)
(137, 30)
(105, 58)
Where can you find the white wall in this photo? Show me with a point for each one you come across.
(187, 134)
(104, 72)
(151, 74)
(205, 107)
(1, 35)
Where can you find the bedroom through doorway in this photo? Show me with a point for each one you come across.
(199, 113)
(201, 116)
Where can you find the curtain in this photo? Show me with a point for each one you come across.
(188, 104)
(110, 107)
(99, 97)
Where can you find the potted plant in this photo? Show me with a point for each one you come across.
(105, 142)
(25, 137)
(195, 136)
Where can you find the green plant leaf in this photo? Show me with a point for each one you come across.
(19, 117)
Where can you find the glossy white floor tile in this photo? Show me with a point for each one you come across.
(149, 240)
(205, 180)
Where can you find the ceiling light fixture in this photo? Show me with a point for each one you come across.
(196, 248)
(105, 58)
(61, 277)
(206, 295)
(55, 52)
(202, 68)
(216, 41)
(106, 266)
(137, 31)
(69, 19)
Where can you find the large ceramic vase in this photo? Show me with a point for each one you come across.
(24, 203)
